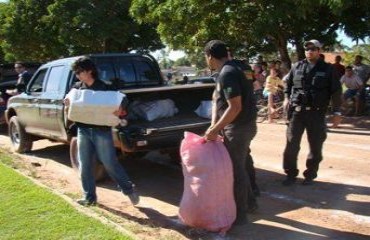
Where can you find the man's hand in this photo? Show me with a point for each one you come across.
(211, 134)
(66, 102)
(12, 92)
(120, 112)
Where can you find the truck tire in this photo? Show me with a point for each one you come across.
(99, 172)
(21, 141)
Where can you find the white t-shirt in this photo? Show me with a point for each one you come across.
(353, 82)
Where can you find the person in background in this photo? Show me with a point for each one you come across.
(185, 79)
(354, 85)
(322, 57)
(273, 85)
(264, 67)
(23, 78)
(363, 71)
(259, 81)
(234, 117)
(279, 69)
(339, 67)
(93, 139)
(310, 85)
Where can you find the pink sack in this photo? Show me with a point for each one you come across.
(208, 199)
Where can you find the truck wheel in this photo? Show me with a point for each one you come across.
(21, 141)
(99, 173)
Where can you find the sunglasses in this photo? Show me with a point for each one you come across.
(312, 49)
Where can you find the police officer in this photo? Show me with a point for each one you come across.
(310, 85)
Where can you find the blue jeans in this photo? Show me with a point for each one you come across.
(94, 141)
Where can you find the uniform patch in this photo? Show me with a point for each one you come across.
(249, 75)
(320, 74)
(298, 72)
(229, 90)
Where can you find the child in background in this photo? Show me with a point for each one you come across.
(273, 83)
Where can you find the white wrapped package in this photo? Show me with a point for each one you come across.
(154, 109)
(94, 107)
(205, 109)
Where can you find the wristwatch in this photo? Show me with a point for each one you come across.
(337, 113)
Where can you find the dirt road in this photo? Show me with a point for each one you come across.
(337, 206)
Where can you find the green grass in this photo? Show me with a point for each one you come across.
(28, 211)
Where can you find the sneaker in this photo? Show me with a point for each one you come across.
(307, 181)
(134, 198)
(86, 203)
(289, 181)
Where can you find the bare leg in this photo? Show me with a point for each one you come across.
(270, 106)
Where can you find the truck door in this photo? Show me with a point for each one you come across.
(51, 101)
(29, 107)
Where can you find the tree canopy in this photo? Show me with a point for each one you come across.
(253, 26)
(46, 29)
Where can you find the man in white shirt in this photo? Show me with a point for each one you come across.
(354, 84)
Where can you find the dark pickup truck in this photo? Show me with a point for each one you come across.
(39, 112)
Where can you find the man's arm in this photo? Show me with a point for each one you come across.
(214, 109)
(233, 110)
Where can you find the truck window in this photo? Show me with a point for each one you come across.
(55, 82)
(106, 72)
(146, 73)
(126, 73)
(38, 81)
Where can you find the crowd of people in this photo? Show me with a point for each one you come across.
(270, 79)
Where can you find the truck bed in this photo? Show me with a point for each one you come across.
(179, 121)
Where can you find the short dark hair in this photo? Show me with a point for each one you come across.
(85, 64)
(359, 57)
(349, 68)
(20, 63)
(216, 49)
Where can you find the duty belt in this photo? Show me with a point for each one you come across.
(299, 108)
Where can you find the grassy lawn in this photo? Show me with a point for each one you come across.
(28, 211)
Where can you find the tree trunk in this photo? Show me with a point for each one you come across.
(299, 49)
(283, 51)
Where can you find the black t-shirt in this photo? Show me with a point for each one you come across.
(231, 83)
(246, 68)
(23, 80)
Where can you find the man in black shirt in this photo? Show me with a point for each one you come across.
(23, 78)
(310, 85)
(234, 117)
(94, 139)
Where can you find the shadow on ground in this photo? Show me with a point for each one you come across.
(165, 183)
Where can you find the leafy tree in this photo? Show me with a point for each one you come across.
(184, 61)
(248, 27)
(55, 28)
(361, 49)
(24, 36)
(100, 26)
